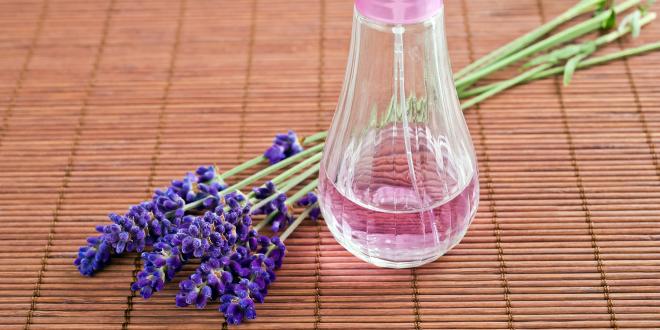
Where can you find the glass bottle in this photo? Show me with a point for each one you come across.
(398, 180)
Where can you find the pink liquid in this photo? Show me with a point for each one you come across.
(378, 213)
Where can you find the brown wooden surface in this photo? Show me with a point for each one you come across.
(102, 101)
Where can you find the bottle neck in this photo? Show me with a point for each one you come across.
(398, 11)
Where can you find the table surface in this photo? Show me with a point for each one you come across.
(103, 101)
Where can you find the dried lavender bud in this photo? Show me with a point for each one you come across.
(280, 221)
(94, 256)
(238, 280)
(277, 207)
(309, 200)
(147, 222)
(193, 291)
(237, 308)
(160, 266)
(128, 232)
(206, 174)
(211, 235)
(205, 185)
(208, 235)
(284, 145)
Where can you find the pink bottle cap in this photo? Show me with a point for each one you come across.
(398, 11)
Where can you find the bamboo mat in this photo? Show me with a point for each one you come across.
(103, 101)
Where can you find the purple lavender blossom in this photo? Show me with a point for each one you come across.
(266, 191)
(160, 266)
(206, 174)
(238, 280)
(210, 193)
(211, 235)
(280, 221)
(309, 200)
(128, 232)
(284, 146)
(206, 183)
(166, 203)
(205, 235)
(237, 265)
(238, 307)
(277, 209)
(94, 256)
(282, 217)
(196, 292)
(145, 223)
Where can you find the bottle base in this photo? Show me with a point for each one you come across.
(384, 263)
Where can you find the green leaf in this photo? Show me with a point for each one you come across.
(570, 67)
(634, 20)
(635, 23)
(610, 21)
(555, 56)
(563, 53)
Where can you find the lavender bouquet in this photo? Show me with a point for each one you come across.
(201, 217)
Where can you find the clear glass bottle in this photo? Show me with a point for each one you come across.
(398, 181)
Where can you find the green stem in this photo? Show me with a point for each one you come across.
(289, 185)
(389, 116)
(297, 222)
(289, 202)
(257, 160)
(268, 170)
(523, 41)
(612, 36)
(286, 174)
(262, 223)
(315, 137)
(608, 38)
(277, 166)
(559, 38)
(601, 59)
(504, 85)
(302, 192)
(242, 167)
(582, 65)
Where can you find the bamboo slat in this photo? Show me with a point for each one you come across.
(102, 101)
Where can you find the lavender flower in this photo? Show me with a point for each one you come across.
(277, 209)
(206, 183)
(282, 217)
(210, 193)
(237, 308)
(166, 203)
(160, 266)
(94, 256)
(145, 223)
(206, 174)
(205, 235)
(194, 291)
(212, 235)
(237, 265)
(265, 191)
(284, 145)
(275, 250)
(238, 280)
(309, 200)
(128, 232)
